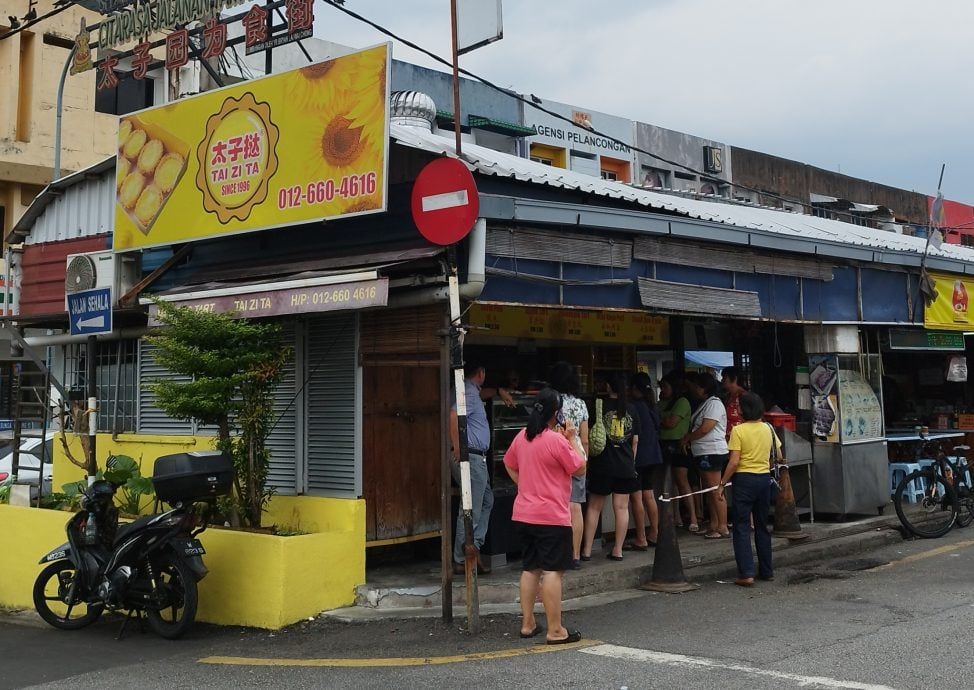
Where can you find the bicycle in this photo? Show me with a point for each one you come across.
(947, 496)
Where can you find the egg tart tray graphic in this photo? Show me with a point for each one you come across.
(151, 162)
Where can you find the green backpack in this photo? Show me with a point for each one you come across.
(596, 433)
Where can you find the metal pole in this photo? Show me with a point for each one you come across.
(466, 501)
(92, 352)
(456, 74)
(59, 109)
(446, 514)
(269, 53)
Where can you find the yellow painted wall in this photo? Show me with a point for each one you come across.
(557, 156)
(142, 447)
(255, 580)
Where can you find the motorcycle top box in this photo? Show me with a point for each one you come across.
(194, 476)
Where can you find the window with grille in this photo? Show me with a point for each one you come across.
(116, 381)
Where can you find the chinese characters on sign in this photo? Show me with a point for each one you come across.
(552, 323)
(142, 20)
(300, 24)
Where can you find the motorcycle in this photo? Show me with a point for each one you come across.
(150, 566)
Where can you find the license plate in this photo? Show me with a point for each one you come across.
(193, 547)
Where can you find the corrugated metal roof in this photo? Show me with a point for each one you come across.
(792, 225)
(77, 205)
(89, 210)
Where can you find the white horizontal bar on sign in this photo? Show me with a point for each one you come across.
(268, 287)
(438, 202)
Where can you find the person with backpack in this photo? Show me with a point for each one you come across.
(613, 472)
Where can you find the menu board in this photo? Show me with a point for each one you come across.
(581, 325)
(862, 415)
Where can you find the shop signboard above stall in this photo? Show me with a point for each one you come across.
(573, 325)
(290, 148)
(950, 308)
(925, 340)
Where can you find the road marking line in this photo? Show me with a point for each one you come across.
(939, 551)
(633, 654)
(398, 661)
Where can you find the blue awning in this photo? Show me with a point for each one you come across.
(710, 359)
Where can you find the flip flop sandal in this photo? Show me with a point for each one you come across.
(715, 535)
(693, 528)
(632, 546)
(573, 636)
(534, 633)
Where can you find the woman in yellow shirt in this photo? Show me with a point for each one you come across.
(749, 466)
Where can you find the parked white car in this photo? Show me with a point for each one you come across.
(29, 461)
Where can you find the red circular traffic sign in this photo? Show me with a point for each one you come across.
(445, 203)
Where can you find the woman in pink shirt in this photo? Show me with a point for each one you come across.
(542, 461)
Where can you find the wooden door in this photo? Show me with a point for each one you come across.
(401, 450)
(402, 433)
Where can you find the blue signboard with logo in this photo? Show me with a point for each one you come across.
(90, 311)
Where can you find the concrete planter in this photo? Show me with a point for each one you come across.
(257, 580)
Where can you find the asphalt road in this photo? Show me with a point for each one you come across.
(889, 618)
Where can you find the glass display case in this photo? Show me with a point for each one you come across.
(505, 423)
(846, 398)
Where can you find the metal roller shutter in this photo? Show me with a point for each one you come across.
(152, 420)
(282, 440)
(333, 399)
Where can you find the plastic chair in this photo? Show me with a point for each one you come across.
(914, 490)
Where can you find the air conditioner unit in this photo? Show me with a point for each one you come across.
(100, 270)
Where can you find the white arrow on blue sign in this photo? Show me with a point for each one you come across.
(90, 311)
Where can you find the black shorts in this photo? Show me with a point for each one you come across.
(604, 484)
(649, 475)
(545, 547)
(673, 455)
(710, 463)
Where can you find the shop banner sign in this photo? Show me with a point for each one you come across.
(577, 325)
(295, 147)
(294, 300)
(950, 308)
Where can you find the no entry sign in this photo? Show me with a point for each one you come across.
(445, 202)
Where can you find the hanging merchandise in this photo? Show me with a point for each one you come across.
(596, 434)
(957, 368)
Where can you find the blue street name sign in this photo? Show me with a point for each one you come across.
(90, 311)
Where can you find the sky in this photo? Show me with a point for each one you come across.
(875, 89)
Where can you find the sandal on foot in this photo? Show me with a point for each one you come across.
(633, 546)
(715, 535)
(573, 636)
(693, 528)
(534, 633)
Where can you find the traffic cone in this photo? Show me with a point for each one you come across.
(667, 563)
(786, 522)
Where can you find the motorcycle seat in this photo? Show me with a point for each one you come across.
(129, 528)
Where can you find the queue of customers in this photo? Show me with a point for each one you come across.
(564, 459)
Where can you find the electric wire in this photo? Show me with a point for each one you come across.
(37, 20)
(531, 102)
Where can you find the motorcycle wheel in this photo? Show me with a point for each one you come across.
(175, 588)
(57, 602)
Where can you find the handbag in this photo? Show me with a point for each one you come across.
(596, 433)
(773, 464)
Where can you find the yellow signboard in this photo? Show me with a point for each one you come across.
(950, 308)
(576, 325)
(289, 148)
